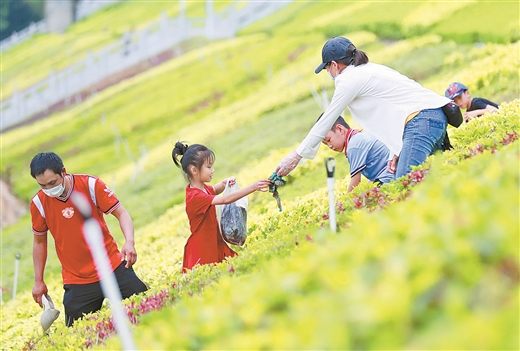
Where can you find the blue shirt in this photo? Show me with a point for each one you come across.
(369, 156)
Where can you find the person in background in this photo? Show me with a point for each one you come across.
(205, 244)
(52, 210)
(366, 155)
(475, 107)
(398, 111)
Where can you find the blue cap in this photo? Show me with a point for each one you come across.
(454, 90)
(335, 49)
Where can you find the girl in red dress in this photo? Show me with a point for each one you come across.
(205, 244)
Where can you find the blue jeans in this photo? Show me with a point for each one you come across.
(422, 136)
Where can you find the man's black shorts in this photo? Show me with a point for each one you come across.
(80, 299)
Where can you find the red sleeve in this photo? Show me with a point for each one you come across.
(106, 200)
(198, 202)
(39, 225)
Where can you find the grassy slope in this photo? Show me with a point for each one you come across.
(427, 268)
(153, 110)
(378, 285)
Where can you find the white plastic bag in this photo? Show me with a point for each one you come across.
(233, 218)
(50, 314)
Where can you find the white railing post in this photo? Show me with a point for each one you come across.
(210, 20)
(94, 238)
(330, 165)
(16, 264)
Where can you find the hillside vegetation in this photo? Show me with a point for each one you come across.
(252, 99)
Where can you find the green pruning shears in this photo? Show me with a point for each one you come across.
(276, 181)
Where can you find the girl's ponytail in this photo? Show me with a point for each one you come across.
(178, 150)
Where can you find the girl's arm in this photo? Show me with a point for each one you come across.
(233, 196)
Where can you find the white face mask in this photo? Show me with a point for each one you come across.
(56, 191)
(330, 74)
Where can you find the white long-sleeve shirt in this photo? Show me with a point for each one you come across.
(379, 99)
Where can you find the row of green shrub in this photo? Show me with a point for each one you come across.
(444, 262)
(396, 280)
(463, 22)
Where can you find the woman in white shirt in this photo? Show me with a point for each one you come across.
(397, 110)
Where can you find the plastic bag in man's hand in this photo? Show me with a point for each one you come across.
(50, 314)
(233, 224)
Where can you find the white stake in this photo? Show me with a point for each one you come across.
(16, 264)
(94, 237)
(330, 165)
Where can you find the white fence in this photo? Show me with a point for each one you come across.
(18, 37)
(85, 8)
(64, 87)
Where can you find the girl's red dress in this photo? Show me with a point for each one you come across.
(205, 244)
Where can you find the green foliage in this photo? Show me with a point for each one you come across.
(482, 21)
(442, 258)
(489, 71)
(381, 283)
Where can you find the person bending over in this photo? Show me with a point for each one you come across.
(366, 155)
(52, 210)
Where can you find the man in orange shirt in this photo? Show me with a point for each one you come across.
(53, 210)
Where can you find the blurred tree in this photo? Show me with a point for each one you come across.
(16, 15)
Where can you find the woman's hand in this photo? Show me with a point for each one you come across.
(288, 164)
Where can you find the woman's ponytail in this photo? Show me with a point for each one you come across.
(354, 56)
(359, 57)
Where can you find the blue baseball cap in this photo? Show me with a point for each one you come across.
(454, 90)
(335, 49)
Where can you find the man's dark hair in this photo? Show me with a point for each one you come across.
(44, 161)
(339, 120)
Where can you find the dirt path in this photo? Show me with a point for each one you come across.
(10, 207)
